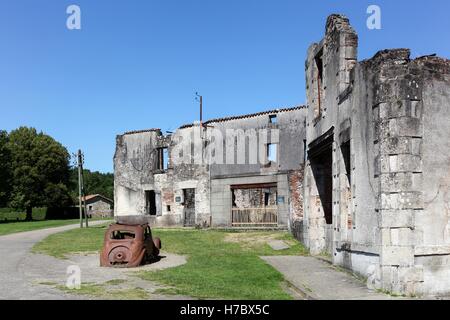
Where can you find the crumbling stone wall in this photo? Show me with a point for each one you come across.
(372, 149)
(328, 87)
(398, 124)
(389, 163)
(297, 225)
(413, 165)
(254, 198)
(137, 170)
(190, 166)
(135, 160)
(290, 124)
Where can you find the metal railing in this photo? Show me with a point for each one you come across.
(254, 217)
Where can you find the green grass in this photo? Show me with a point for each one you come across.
(116, 282)
(223, 265)
(60, 245)
(22, 226)
(102, 291)
(220, 265)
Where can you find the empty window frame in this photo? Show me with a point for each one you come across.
(305, 153)
(319, 67)
(122, 235)
(163, 158)
(266, 198)
(273, 119)
(272, 152)
(347, 190)
(346, 155)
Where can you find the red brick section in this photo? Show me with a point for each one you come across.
(168, 196)
(296, 190)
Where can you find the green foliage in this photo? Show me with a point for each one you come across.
(5, 168)
(35, 172)
(40, 170)
(10, 210)
(94, 182)
(39, 213)
(57, 195)
(12, 214)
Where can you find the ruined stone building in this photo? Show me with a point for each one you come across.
(362, 173)
(235, 172)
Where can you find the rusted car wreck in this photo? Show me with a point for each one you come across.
(129, 246)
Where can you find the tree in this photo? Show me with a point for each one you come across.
(5, 169)
(94, 183)
(40, 170)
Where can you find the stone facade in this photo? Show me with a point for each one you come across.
(208, 166)
(378, 163)
(99, 206)
(362, 173)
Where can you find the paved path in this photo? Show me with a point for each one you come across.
(14, 250)
(318, 280)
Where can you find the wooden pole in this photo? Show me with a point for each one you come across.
(201, 111)
(79, 188)
(84, 192)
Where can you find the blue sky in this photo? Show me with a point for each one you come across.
(136, 64)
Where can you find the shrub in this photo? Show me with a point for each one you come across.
(39, 213)
(10, 214)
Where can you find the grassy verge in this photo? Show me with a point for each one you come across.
(23, 226)
(221, 265)
(13, 227)
(103, 291)
(73, 241)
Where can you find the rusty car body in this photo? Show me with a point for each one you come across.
(129, 246)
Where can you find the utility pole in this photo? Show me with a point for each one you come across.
(79, 161)
(81, 190)
(199, 98)
(201, 111)
(84, 196)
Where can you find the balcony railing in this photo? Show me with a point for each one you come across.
(254, 217)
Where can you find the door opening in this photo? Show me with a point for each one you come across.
(189, 207)
(150, 202)
(321, 159)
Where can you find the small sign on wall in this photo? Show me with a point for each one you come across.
(280, 200)
(178, 199)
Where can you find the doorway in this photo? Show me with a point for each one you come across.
(254, 205)
(189, 207)
(321, 160)
(150, 202)
(322, 171)
(346, 189)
